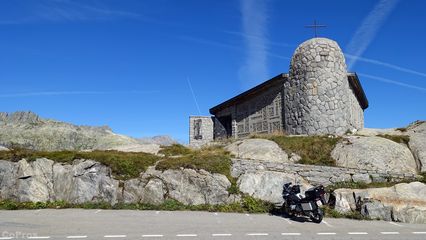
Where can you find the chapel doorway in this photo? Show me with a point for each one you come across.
(226, 126)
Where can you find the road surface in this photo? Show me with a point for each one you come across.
(135, 225)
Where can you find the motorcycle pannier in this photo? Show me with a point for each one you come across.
(295, 189)
(312, 193)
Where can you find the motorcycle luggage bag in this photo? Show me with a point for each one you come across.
(295, 189)
(308, 206)
(312, 193)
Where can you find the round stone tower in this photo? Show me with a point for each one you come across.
(317, 91)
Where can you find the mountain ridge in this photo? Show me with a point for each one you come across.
(29, 130)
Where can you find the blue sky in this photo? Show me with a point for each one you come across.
(131, 64)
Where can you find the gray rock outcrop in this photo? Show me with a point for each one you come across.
(374, 153)
(84, 181)
(268, 185)
(404, 202)
(8, 180)
(417, 144)
(416, 131)
(258, 149)
(43, 180)
(29, 130)
(188, 186)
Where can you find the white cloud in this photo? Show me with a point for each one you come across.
(366, 33)
(254, 21)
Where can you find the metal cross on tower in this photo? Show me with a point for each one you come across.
(315, 26)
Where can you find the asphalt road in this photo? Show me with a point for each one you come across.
(126, 225)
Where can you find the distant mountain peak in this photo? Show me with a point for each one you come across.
(20, 117)
(29, 130)
(163, 140)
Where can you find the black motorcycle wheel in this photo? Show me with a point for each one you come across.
(316, 216)
(285, 210)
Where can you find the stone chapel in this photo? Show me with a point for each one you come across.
(317, 96)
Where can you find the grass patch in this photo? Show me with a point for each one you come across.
(403, 129)
(175, 150)
(233, 189)
(422, 177)
(396, 138)
(248, 204)
(360, 185)
(211, 159)
(127, 165)
(314, 150)
(124, 165)
(328, 212)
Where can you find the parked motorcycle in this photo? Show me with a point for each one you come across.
(297, 205)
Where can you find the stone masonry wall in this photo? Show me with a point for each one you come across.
(200, 130)
(356, 114)
(316, 175)
(316, 95)
(260, 114)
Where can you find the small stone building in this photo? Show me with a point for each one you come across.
(317, 96)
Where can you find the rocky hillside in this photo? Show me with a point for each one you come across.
(28, 130)
(255, 168)
(162, 140)
(87, 181)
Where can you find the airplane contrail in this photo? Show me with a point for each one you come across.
(193, 95)
(385, 64)
(254, 23)
(366, 33)
(60, 93)
(386, 80)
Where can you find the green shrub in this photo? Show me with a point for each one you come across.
(253, 205)
(233, 189)
(403, 129)
(8, 205)
(360, 185)
(58, 204)
(314, 150)
(396, 138)
(328, 212)
(422, 177)
(232, 207)
(248, 204)
(127, 206)
(171, 205)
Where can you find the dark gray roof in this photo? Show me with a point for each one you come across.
(352, 79)
(358, 90)
(247, 94)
